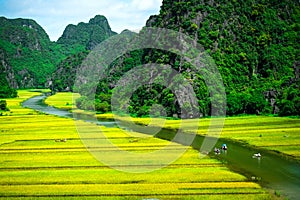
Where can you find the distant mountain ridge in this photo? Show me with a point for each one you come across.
(34, 58)
(85, 36)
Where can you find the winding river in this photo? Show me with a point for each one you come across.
(270, 170)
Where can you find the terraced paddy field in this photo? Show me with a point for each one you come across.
(42, 156)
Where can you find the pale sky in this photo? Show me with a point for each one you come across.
(55, 15)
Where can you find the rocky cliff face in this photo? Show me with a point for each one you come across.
(64, 77)
(7, 70)
(7, 77)
(253, 43)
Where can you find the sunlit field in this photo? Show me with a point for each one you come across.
(43, 156)
(14, 103)
(280, 134)
(62, 100)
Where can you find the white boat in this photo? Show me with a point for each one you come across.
(257, 155)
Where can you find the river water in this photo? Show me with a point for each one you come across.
(270, 170)
(36, 103)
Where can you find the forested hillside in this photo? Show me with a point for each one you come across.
(29, 51)
(85, 36)
(255, 45)
(77, 42)
(64, 76)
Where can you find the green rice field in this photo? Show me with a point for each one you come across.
(42, 156)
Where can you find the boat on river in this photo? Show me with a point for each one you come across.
(257, 155)
(224, 147)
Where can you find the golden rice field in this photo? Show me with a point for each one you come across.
(63, 100)
(279, 134)
(42, 156)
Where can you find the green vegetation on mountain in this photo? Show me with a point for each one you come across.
(29, 51)
(6, 78)
(6, 91)
(63, 78)
(77, 42)
(253, 43)
(85, 36)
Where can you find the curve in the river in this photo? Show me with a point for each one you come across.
(270, 170)
(37, 103)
